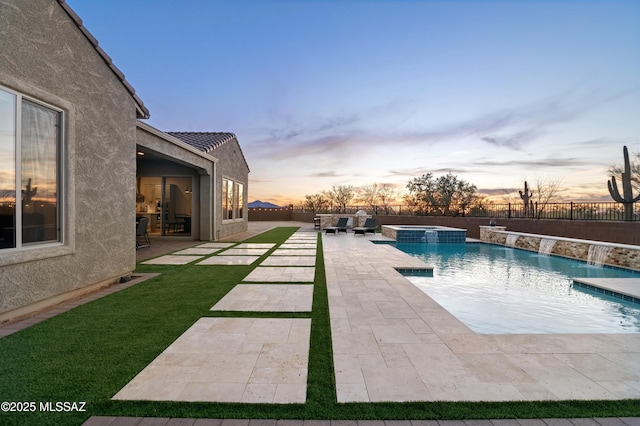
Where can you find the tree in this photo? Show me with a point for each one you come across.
(535, 201)
(438, 195)
(316, 202)
(386, 195)
(369, 195)
(546, 191)
(377, 196)
(340, 196)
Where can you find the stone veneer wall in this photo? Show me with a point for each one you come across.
(621, 255)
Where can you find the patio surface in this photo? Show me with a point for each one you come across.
(247, 360)
(391, 343)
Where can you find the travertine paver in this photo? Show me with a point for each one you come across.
(293, 252)
(304, 236)
(392, 342)
(198, 251)
(255, 245)
(298, 245)
(172, 259)
(250, 360)
(267, 298)
(244, 252)
(302, 274)
(229, 260)
(215, 245)
(289, 261)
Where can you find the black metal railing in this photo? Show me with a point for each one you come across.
(605, 211)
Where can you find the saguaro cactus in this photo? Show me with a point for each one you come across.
(29, 192)
(526, 198)
(626, 198)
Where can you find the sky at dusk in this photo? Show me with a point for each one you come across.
(355, 92)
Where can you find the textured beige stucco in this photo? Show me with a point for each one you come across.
(44, 55)
(232, 165)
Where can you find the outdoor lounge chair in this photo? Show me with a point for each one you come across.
(141, 232)
(340, 227)
(369, 226)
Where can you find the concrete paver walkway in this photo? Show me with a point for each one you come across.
(248, 360)
(267, 298)
(252, 360)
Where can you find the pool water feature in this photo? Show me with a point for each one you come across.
(598, 254)
(546, 246)
(424, 234)
(500, 290)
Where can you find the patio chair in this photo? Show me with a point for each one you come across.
(141, 232)
(340, 227)
(369, 226)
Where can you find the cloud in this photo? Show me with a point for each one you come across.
(419, 171)
(496, 191)
(343, 136)
(514, 141)
(332, 173)
(542, 162)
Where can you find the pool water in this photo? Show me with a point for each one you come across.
(501, 290)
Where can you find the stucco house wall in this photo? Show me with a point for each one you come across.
(232, 165)
(45, 56)
(174, 157)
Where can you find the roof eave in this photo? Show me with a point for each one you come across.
(175, 141)
(141, 110)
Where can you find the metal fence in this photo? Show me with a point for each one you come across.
(606, 211)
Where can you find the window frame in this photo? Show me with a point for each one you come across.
(21, 246)
(232, 197)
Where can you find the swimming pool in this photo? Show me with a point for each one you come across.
(501, 290)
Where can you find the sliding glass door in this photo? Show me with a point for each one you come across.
(167, 202)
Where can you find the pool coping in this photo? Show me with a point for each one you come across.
(627, 289)
(377, 351)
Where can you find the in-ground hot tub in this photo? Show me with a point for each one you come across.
(424, 234)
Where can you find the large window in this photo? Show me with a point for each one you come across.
(232, 200)
(30, 144)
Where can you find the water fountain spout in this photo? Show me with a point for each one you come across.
(546, 246)
(511, 240)
(430, 237)
(598, 254)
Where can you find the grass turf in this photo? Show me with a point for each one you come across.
(91, 352)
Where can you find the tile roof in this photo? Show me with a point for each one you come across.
(142, 111)
(204, 141)
(207, 141)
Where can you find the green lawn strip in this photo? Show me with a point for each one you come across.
(91, 352)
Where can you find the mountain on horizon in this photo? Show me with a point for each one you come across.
(262, 205)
